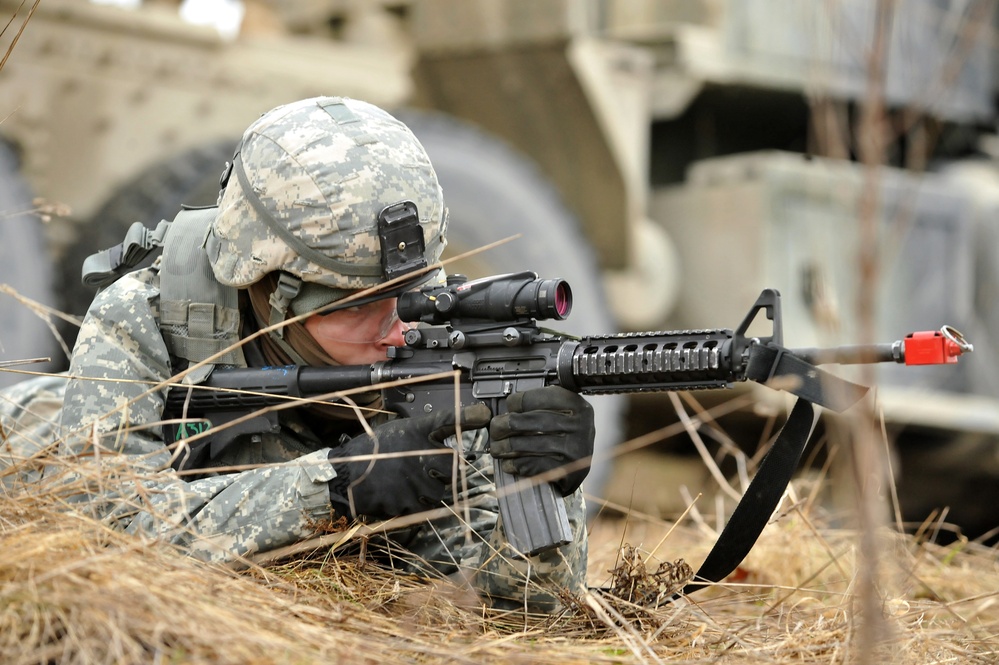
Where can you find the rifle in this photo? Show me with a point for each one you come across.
(488, 330)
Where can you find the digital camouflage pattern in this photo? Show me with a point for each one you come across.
(112, 407)
(322, 169)
(29, 424)
(304, 195)
(109, 427)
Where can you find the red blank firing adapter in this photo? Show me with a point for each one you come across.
(935, 347)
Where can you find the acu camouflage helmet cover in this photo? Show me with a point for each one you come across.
(307, 186)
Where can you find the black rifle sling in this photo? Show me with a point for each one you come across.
(760, 500)
(769, 363)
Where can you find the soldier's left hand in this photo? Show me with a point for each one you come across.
(545, 429)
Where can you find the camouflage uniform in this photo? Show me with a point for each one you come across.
(113, 406)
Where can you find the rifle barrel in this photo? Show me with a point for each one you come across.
(853, 355)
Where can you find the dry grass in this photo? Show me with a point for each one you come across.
(795, 599)
(73, 591)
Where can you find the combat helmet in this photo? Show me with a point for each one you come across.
(321, 190)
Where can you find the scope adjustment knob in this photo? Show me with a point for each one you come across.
(445, 302)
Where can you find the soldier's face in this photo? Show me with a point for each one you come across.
(358, 335)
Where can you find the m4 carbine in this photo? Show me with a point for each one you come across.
(487, 330)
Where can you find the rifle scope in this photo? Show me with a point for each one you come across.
(499, 298)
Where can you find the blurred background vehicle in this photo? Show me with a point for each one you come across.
(669, 159)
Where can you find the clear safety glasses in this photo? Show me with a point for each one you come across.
(363, 324)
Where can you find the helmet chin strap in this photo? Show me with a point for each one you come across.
(288, 287)
(286, 347)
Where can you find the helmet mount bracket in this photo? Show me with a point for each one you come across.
(403, 246)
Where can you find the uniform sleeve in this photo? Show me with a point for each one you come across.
(110, 432)
(29, 420)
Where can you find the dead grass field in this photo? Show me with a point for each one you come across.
(72, 591)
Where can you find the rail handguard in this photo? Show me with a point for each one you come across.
(487, 329)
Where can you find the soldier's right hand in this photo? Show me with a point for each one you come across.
(410, 469)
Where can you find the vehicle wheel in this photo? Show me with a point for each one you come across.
(26, 266)
(191, 178)
(493, 193)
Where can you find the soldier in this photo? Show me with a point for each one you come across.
(297, 230)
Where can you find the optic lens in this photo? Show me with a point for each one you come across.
(563, 300)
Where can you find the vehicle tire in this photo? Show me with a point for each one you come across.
(191, 178)
(493, 193)
(26, 266)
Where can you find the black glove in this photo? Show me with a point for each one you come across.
(400, 485)
(544, 429)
